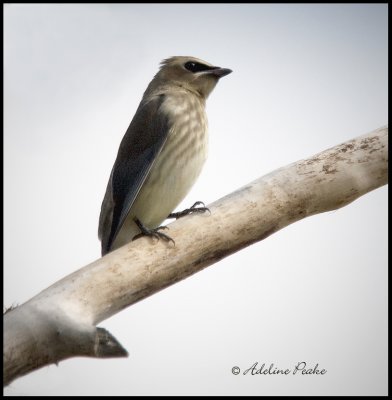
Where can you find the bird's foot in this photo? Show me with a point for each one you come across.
(192, 210)
(152, 232)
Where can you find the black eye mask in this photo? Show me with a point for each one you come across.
(197, 67)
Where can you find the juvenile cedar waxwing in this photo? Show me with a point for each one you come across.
(162, 152)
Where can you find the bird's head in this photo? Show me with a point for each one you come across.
(189, 73)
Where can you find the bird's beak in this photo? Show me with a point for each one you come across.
(220, 72)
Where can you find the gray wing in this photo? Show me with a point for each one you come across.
(138, 151)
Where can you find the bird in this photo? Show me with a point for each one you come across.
(161, 154)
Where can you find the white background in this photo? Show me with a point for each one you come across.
(306, 77)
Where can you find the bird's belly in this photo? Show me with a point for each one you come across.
(165, 189)
(170, 179)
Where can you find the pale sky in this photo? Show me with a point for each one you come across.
(305, 78)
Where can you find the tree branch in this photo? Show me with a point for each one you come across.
(60, 322)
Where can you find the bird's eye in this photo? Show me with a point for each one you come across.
(190, 66)
(197, 67)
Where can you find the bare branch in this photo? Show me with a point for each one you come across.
(60, 322)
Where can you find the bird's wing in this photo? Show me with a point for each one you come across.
(138, 151)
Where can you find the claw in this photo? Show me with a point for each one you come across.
(152, 232)
(191, 210)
